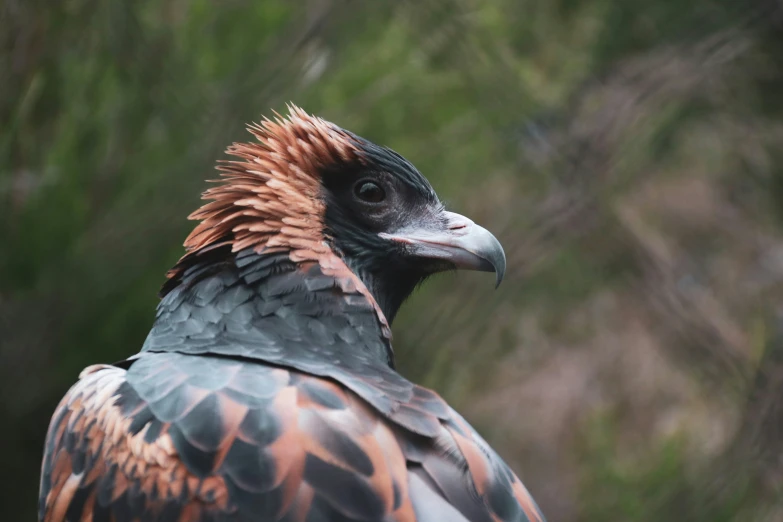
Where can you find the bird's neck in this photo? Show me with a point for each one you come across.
(390, 285)
(268, 307)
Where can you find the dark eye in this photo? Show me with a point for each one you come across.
(369, 191)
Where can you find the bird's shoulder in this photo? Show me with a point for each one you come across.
(179, 437)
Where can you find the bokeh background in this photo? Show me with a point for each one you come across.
(629, 155)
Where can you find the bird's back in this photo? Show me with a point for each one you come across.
(210, 423)
(198, 438)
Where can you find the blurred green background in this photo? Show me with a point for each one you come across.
(629, 155)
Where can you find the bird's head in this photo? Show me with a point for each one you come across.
(322, 194)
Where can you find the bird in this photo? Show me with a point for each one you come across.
(266, 389)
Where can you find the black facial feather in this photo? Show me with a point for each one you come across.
(387, 160)
(353, 226)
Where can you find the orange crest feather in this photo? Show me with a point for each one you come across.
(269, 199)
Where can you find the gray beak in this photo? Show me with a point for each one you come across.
(461, 242)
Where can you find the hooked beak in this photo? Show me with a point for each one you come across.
(461, 242)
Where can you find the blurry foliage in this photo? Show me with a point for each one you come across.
(655, 486)
(627, 155)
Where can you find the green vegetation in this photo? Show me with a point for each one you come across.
(627, 155)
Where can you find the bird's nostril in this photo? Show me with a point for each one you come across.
(456, 221)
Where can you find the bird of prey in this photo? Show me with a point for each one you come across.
(266, 389)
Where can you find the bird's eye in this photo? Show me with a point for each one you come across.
(369, 191)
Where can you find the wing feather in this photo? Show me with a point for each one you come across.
(185, 438)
